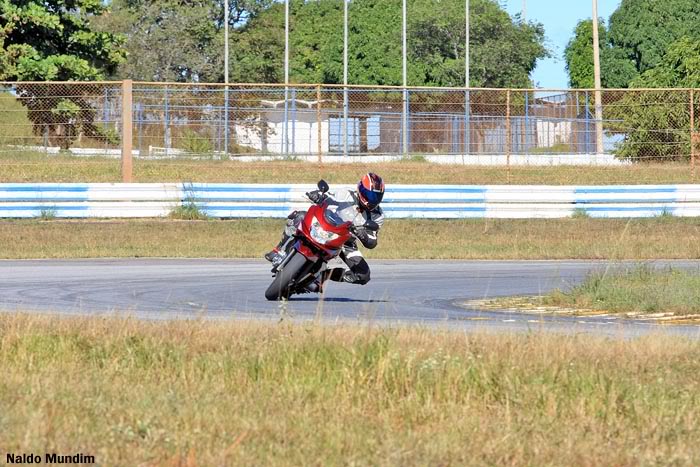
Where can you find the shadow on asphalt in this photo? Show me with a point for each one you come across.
(335, 299)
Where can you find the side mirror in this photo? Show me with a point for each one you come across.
(371, 225)
(323, 186)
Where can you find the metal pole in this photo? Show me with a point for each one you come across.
(466, 43)
(467, 97)
(319, 134)
(508, 135)
(226, 41)
(226, 78)
(294, 120)
(527, 122)
(167, 123)
(345, 78)
(596, 73)
(286, 78)
(404, 119)
(524, 11)
(693, 134)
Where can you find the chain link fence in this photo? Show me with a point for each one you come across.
(55, 131)
(74, 131)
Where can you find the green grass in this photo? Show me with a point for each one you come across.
(581, 238)
(188, 211)
(639, 290)
(33, 167)
(240, 393)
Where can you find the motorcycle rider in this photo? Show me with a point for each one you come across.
(359, 206)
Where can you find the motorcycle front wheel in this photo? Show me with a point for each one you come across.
(280, 287)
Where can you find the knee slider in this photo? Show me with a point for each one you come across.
(362, 278)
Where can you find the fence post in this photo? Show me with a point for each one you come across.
(467, 123)
(226, 120)
(166, 132)
(127, 121)
(508, 134)
(294, 120)
(319, 146)
(693, 134)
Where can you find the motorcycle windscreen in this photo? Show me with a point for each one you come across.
(333, 218)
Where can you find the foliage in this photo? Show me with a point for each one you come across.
(680, 67)
(195, 143)
(580, 213)
(62, 112)
(174, 40)
(188, 211)
(661, 132)
(54, 40)
(639, 35)
(259, 52)
(649, 44)
(642, 289)
(48, 214)
(503, 51)
(616, 70)
(645, 29)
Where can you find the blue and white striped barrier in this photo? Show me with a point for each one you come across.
(76, 200)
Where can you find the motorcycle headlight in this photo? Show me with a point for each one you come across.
(319, 234)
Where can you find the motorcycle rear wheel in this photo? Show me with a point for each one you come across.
(280, 287)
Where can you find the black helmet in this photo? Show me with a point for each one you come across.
(370, 191)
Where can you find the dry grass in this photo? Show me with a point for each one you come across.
(638, 290)
(581, 238)
(202, 393)
(40, 168)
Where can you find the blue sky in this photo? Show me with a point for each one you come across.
(559, 18)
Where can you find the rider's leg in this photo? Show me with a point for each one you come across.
(358, 273)
(293, 221)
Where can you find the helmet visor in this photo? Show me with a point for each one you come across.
(371, 199)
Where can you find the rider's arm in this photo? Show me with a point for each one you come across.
(368, 237)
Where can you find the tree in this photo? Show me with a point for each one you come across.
(656, 124)
(54, 40)
(639, 34)
(176, 40)
(644, 29)
(504, 51)
(168, 40)
(616, 70)
(257, 55)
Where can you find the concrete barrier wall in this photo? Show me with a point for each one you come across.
(78, 200)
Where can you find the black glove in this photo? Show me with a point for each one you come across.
(316, 196)
(363, 235)
(359, 232)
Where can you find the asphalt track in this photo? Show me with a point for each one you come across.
(400, 292)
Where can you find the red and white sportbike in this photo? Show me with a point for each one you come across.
(319, 239)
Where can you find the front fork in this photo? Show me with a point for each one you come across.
(314, 274)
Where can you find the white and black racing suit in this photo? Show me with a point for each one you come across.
(348, 208)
